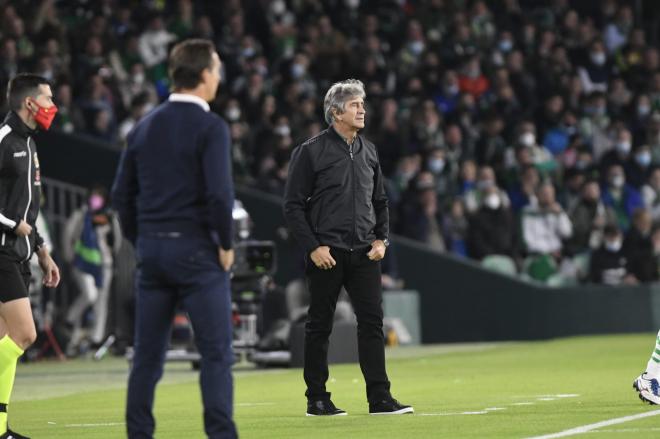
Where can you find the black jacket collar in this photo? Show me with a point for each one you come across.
(18, 126)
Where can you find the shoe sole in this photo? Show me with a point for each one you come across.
(652, 400)
(398, 412)
(338, 414)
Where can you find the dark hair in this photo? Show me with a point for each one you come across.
(188, 60)
(611, 230)
(22, 86)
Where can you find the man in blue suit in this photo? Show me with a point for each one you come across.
(174, 194)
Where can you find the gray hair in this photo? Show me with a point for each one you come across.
(339, 94)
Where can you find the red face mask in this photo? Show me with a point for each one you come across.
(44, 116)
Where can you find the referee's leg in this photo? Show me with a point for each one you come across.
(155, 306)
(208, 303)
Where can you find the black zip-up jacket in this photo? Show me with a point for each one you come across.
(20, 186)
(334, 195)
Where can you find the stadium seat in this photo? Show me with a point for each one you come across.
(500, 263)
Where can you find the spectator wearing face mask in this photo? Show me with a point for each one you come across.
(443, 172)
(492, 230)
(596, 71)
(620, 154)
(638, 167)
(622, 198)
(638, 247)
(539, 155)
(608, 264)
(471, 80)
(91, 240)
(447, 98)
(651, 194)
(486, 179)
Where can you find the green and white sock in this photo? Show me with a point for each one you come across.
(9, 353)
(653, 368)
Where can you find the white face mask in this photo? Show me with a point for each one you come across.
(618, 181)
(416, 47)
(527, 139)
(623, 147)
(436, 165)
(493, 201)
(598, 58)
(278, 7)
(233, 114)
(613, 246)
(643, 158)
(138, 78)
(282, 130)
(297, 70)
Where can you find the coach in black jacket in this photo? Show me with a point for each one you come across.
(336, 208)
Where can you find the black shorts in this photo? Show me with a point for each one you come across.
(14, 279)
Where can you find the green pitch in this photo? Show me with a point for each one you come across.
(507, 390)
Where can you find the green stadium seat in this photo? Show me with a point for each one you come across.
(500, 263)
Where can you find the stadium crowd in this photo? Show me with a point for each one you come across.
(510, 131)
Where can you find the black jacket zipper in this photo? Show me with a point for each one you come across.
(350, 151)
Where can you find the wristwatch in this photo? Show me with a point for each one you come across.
(386, 242)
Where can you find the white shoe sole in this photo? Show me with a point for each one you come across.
(398, 412)
(326, 416)
(649, 397)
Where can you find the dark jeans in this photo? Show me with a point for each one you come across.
(181, 270)
(361, 278)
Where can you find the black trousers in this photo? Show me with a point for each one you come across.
(361, 278)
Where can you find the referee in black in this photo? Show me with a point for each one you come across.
(31, 108)
(174, 195)
(335, 206)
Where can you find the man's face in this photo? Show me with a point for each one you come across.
(44, 98)
(546, 195)
(354, 112)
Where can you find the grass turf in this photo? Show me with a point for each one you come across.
(508, 390)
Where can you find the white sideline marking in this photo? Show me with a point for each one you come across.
(102, 424)
(482, 412)
(546, 399)
(590, 427)
(494, 409)
(625, 430)
(522, 403)
(253, 404)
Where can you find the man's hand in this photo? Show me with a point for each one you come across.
(322, 258)
(23, 229)
(226, 258)
(377, 251)
(49, 268)
(556, 208)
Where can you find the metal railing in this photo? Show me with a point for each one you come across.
(60, 200)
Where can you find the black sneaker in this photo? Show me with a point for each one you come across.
(12, 435)
(389, 407)
(323, 408)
